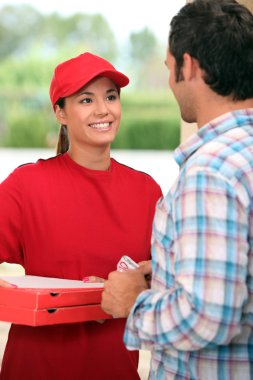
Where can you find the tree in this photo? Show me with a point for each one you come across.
(23, 30)
(147, 60)
(88, 32)
(16, 24)
(143, 45)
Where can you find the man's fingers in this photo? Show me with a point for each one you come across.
(145, 267)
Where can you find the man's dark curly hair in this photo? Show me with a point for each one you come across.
(219, 34)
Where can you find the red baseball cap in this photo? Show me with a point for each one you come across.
(71, 75)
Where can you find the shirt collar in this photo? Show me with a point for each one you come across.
(211, 130)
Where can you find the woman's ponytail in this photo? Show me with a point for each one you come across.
(63, 140)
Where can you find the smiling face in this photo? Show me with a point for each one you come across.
(92, 115)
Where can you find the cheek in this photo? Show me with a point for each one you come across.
(117, 112)
(171, 79)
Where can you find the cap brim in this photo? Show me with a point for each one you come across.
(117, 77)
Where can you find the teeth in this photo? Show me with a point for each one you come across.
(100, 125)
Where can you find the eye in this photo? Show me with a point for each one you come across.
(111, 97)
(86, 100)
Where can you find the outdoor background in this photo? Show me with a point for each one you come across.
(35, 38)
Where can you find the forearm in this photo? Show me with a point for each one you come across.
(176, 318)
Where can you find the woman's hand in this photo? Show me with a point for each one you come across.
(5, 284)
(93, 279)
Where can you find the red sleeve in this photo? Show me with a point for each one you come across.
(11, 220)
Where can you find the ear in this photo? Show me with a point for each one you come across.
(190, 67)
(60, 114)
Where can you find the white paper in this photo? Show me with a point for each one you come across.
(37, 282)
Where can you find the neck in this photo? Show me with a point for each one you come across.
(94, 159)
(216, 106)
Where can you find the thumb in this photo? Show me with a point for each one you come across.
(145, 267)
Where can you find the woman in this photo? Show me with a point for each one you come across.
(73, 216)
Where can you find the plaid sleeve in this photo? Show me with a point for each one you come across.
(199, 267)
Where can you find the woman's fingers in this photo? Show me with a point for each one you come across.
(5, 284)
(93, 279)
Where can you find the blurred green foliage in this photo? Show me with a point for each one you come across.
(26, 130)
(24, 29)
(32, 44)
(148, 122)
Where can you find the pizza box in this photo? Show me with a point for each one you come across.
(43, 300)
(51, 316)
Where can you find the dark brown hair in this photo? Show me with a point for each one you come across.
(63, 139)
(219, 34)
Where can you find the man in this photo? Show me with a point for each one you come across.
(197, 318)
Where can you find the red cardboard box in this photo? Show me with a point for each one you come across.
(40, 306)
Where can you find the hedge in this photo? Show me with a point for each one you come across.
(149, 121)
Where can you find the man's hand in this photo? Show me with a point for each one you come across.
(146, 268)
(121, 290)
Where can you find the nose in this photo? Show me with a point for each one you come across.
(101, 108)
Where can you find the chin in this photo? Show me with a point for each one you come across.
(104, 143)
(188, 118)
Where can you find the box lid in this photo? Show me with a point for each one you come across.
(42, 292)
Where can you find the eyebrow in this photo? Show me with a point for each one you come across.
(92, 93)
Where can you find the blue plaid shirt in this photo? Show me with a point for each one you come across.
(197, 318)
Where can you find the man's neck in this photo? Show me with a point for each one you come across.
(217, 106)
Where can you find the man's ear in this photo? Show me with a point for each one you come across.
(60, 114)
(190, 67)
